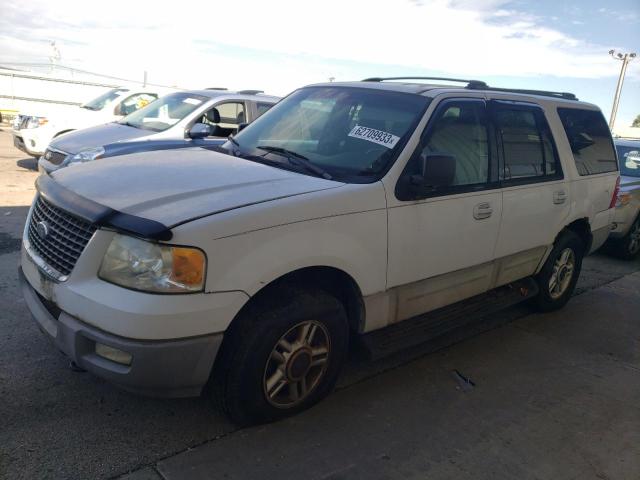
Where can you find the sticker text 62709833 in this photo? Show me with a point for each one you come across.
(376, 136)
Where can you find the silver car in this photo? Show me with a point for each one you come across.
(624, 240)
(196, 114)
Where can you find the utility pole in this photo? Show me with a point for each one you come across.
(625, 58)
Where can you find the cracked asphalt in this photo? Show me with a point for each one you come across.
(553, 396)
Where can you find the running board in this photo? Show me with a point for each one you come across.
(423, 328)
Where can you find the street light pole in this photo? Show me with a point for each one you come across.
(625, 58)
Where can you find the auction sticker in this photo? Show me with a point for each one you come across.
(192, 101)
(376, 136)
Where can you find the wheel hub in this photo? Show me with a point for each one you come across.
(298, 364)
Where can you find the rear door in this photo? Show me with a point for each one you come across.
(535, 198)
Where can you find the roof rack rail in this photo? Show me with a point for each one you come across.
(480, 85)
(250, 92)
(477, 84)
(216, 88)
(543, 93)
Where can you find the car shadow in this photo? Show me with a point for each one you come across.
(28, 163)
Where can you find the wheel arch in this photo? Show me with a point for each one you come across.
(582, 228)
(332, 280)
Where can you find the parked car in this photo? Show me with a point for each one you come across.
(33, 133)
(357, 211)
(624, 240)
(178, 120)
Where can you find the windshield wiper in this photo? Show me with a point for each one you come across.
(298, 159)
(128, 124)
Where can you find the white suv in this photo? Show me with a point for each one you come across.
(379, 211)
(33, 133)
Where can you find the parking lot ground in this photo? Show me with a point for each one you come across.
(554, 396)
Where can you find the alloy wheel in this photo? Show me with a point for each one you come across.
(297, 364)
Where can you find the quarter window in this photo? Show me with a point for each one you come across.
(527, 147)
(460, 131)
(590, 140)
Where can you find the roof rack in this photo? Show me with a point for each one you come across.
(480, 85)
(477, 84)
(250, 92)
(216, 88)
(544, 93)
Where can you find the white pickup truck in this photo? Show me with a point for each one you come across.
(32, 131)
(379, 212)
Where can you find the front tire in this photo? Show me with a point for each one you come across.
(281, 356)
(558, 277)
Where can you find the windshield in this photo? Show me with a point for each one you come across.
(105, 99)
(629, 158)
(354, 134)
(164, 112)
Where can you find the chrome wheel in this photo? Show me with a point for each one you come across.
(297, 364)
(562, 273)
(634, 238)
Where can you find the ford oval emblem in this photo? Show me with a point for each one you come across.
(43, 230)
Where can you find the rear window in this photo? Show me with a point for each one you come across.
(590, 140)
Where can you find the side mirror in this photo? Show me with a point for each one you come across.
(118, 109)
(436, 171)
(242, 126)
(200, 130)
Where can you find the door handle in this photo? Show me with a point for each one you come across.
(559, 197)
(482, 211)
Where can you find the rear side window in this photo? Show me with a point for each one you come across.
(590, 140)
(263, 107)
(527, 147)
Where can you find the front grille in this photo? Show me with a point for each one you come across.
(54, 157)
(67, 235)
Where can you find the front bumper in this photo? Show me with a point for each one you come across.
(33, 141)
(167, 368)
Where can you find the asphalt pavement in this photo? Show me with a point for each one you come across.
(550, 396)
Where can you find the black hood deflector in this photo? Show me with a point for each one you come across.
(98, 214)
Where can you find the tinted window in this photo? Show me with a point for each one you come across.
(629, 158)
(590, 140)
(460, 131)
(527, 147)
(105, 99)
(263, 107)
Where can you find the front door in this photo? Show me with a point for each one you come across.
(442, 242)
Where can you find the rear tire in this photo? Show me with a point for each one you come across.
(627, 247)
(282, 355)
(558, 277)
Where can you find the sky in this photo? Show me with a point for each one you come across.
(280, 45)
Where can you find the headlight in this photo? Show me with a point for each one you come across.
(85, 155)
(35, 122)
(153, 267)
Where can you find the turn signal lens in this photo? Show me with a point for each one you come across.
(188, 266)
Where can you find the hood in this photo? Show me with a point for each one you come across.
(173, 187)
(97, 136)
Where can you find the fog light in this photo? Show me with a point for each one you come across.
(113, 354)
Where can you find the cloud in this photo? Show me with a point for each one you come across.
(287, 43)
